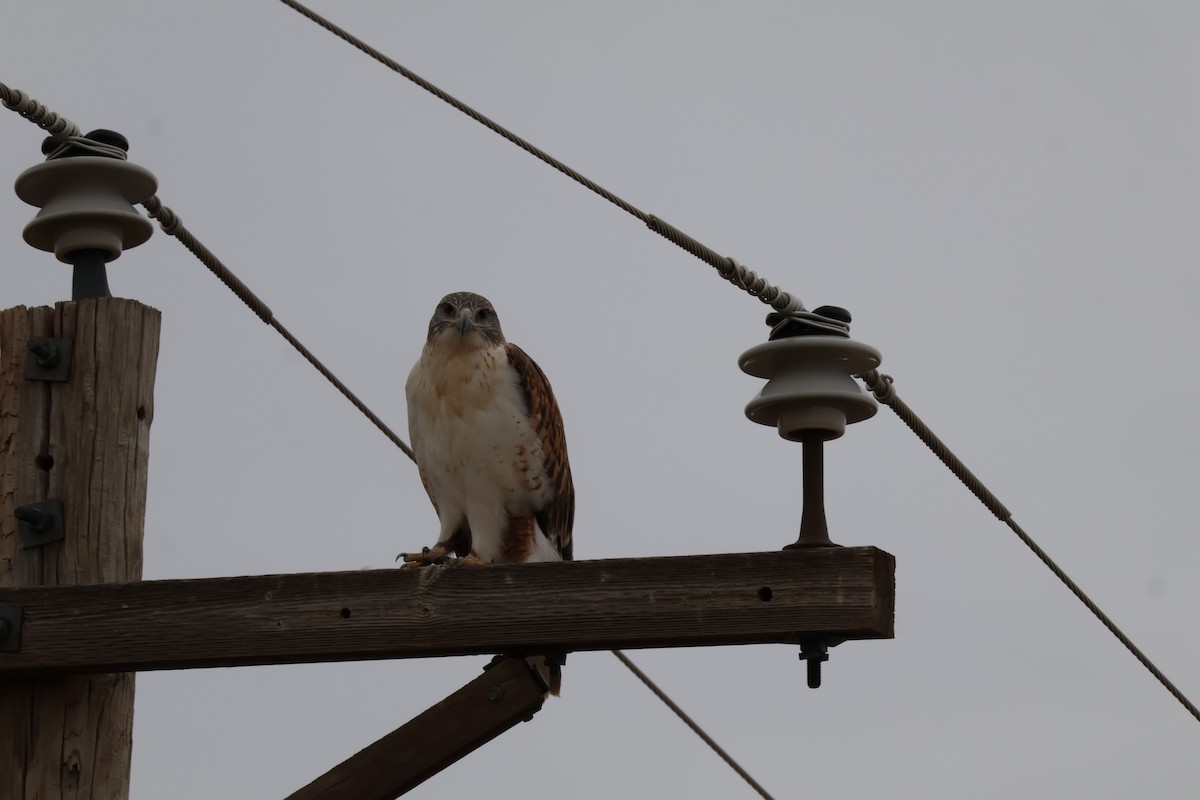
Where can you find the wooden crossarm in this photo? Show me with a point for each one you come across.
(741, 598)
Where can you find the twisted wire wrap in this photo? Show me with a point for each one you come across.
(78, 145)
(38, 114)
(728, 268)
(780, 323)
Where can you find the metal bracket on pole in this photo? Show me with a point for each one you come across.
(41, 522)
(49, 358)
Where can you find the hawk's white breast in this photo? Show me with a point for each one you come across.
(473, 440)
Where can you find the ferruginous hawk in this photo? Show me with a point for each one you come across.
(489, 444)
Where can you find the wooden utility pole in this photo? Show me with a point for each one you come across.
(85, 442)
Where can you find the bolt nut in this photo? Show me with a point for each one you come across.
(44, 353)
(37, 520)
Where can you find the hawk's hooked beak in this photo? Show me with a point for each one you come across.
(464, 323)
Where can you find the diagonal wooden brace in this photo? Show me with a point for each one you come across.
(506, 693)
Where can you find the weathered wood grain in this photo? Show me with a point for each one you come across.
(744, 598)
(505, 694)
(85, 442)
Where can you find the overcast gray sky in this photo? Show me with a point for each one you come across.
(1005, 195)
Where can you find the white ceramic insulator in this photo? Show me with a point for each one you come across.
(86, 203)
(810, 387)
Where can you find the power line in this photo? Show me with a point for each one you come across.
(679, 712)
(727, 268)
(173, 226)
(882, 387)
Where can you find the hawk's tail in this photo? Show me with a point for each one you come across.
(549, 670)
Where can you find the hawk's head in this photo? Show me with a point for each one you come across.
(466, 317)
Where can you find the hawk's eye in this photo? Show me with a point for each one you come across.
(447, 309)
(482, 314)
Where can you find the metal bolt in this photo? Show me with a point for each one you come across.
(814, 674)
(814, 653)
(44, 353)
(495, 694)
(38, 521)
(41, 522)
